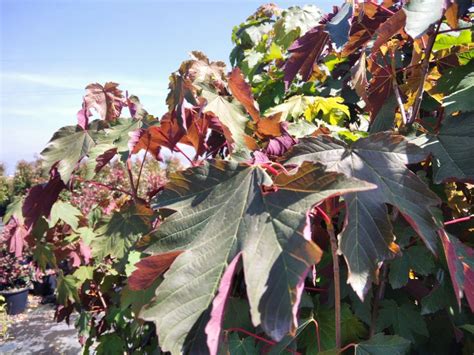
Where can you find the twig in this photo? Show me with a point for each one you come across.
(454, 29)
(337, 285)
(318, 337)
(141, 165)
(280, 166)
(102, 300)
(397, 91)
(378, 298)
(95, 183)
(425, 68)
(315, 289)
(130, 177)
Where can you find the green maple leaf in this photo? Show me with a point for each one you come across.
(68, 146)
(110, 344)
(65, 212)
(294, 22)
(293, 107)
(379, 159)
(118, 133)
(222, 212)
(458, 86)
(116, 234)
(352, 328)
(381, 344)
(416, 258)
(230, 115)
(67, 289)
(245, 346)
(405, 320)
(14, 210)
(451, 148)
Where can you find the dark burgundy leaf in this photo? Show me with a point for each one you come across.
(149, 269)
(379, 90)
(40, 200)
(367, 19)
(388, 29)
(279, 145)
(305, 51)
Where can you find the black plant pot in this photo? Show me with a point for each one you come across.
(16, 300)
(45, 287)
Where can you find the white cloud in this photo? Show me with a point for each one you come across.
(33, 106)
(18, 82)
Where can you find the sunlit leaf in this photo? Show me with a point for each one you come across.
(379, 159)
(421, 14)
(451, 149)
(214, 225)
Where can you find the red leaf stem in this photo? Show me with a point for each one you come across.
(259, 338)
(326, 218)
(458, 220)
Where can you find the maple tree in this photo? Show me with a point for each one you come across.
(326, 205)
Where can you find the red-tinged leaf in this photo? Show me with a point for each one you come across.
(40, 200)
(135, 107)
(107, 100)
(85, 251)
(469, 283)
(167, 134)
(103, 159)
(379, 90)
(214, 326)
(366, 20)
(14, 235)
(243, 92)
(260, 158)
(359, 77)
(460, 259)
(305, 52)
(279, 145)
(388, 29)
(182, 93)
(270, 126)
(198, 125)
(83, 116)
(149, 269)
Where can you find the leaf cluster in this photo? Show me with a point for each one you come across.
(326, 204)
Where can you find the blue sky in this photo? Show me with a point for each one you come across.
(50, 50)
